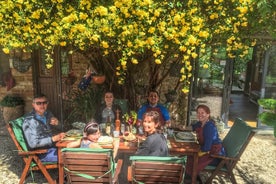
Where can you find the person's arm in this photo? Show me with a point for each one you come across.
(209, 132)
(166, 115)
(74, 144)
(144, 148)
(53, 121)
(95, 145)
(34, 136)
(140, 114)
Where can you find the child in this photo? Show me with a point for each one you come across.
(91, 135)
(155, 143)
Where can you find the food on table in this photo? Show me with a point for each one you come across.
(105, 140)
(185, 135)
(128, 136)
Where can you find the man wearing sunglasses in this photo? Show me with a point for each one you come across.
(38, 131)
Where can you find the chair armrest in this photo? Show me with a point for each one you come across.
(117, 171)
(223, 157)
(129, 173)
(34, 152)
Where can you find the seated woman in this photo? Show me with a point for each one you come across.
(107, 111)
(155, 143)
(91, 135)
(208, 138)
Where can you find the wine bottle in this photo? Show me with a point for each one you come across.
(117, 121)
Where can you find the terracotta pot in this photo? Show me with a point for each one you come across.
(98, 79)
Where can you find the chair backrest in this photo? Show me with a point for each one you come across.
(152, 169)
(85, 165)
(15, 129)
(237, 138)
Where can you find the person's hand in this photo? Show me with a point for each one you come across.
(58, 137)
(184, 128)
(138, 122)
(168, 124)
(201, 153)
(54, 121)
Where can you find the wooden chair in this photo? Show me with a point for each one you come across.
(151, 169)
(85, 165)
(234, 143)
(31, 159)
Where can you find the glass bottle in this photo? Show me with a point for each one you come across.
(108, 126)
(117, 121)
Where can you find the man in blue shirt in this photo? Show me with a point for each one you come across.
(37, 129)
(153, 105)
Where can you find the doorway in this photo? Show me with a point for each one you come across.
(49, 80)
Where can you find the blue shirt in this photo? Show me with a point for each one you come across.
(209, 135)
(162, 110)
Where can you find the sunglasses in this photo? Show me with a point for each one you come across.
(40, 103)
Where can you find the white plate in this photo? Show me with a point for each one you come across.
(185, 135)
(105, 140)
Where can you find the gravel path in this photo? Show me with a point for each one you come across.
(257, 165)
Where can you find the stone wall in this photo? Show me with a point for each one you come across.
(23, 87)
(24, 81)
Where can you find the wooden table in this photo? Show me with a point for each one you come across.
(175, 148)
(186, 148)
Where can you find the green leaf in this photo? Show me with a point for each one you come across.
(268, 103)
(268, 118)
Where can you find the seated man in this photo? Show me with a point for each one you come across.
(37, 129)
(153, 105)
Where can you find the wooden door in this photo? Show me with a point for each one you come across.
(49, 81)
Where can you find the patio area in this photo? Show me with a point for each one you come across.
(257, 164)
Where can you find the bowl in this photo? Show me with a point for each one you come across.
(98, 79)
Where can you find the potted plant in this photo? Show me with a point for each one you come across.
(12, 107)
(268, 116)
(98, 79)
(83, 104)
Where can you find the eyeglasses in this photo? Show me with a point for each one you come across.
(41, 103)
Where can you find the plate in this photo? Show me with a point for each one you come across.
(71, 138)
(185, 135)
(105, 140)
(78, 125)
(130, 137)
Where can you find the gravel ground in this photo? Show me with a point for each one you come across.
(257, 165)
